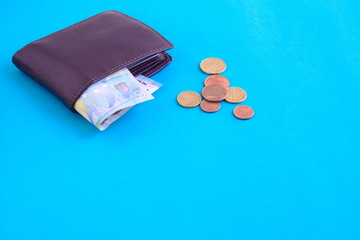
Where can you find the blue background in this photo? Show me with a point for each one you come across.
(166, 172)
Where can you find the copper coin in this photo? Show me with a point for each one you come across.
(208, 106)
(243, 112)
(212, 65)
(189, 99)
(214, 93)
(235, 95)
(217, 79)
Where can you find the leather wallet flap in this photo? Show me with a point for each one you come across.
(70, 60)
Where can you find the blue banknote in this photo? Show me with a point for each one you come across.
(103, 101)
(150, 85)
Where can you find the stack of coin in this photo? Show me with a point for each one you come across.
(216, 89)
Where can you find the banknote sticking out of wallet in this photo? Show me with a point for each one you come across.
(99, 67)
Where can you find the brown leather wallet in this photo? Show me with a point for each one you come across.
(67, 62)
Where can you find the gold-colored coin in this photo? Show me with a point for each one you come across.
(235, 95)
(189, 99)
(212, 65)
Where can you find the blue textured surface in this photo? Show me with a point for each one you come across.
(165, 172)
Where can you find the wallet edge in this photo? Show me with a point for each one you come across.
(85, 20)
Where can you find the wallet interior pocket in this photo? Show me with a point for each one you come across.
(67, 62)
(152, 65)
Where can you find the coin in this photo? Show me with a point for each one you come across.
(214, 93)
(235, 95)
(189, 99)
(243, 112)
(212, 65)
(208, 106)
(217, 79)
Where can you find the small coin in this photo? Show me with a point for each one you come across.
(217, 79)
(235, 95)
(208, 106)
(243, 112)
(212, 65)
(189, 99)
(214, 93)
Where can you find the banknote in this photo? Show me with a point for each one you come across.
(150, 85)
(111, 96)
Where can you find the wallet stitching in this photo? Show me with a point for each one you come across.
(106, 72)
(88, 19)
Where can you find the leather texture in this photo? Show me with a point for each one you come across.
(67, 62)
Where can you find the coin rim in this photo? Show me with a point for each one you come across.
(177, 99)
(216, 72)
(236, 102)
(210, 102)
(214, 100)
(215, 83)
(244, 118)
